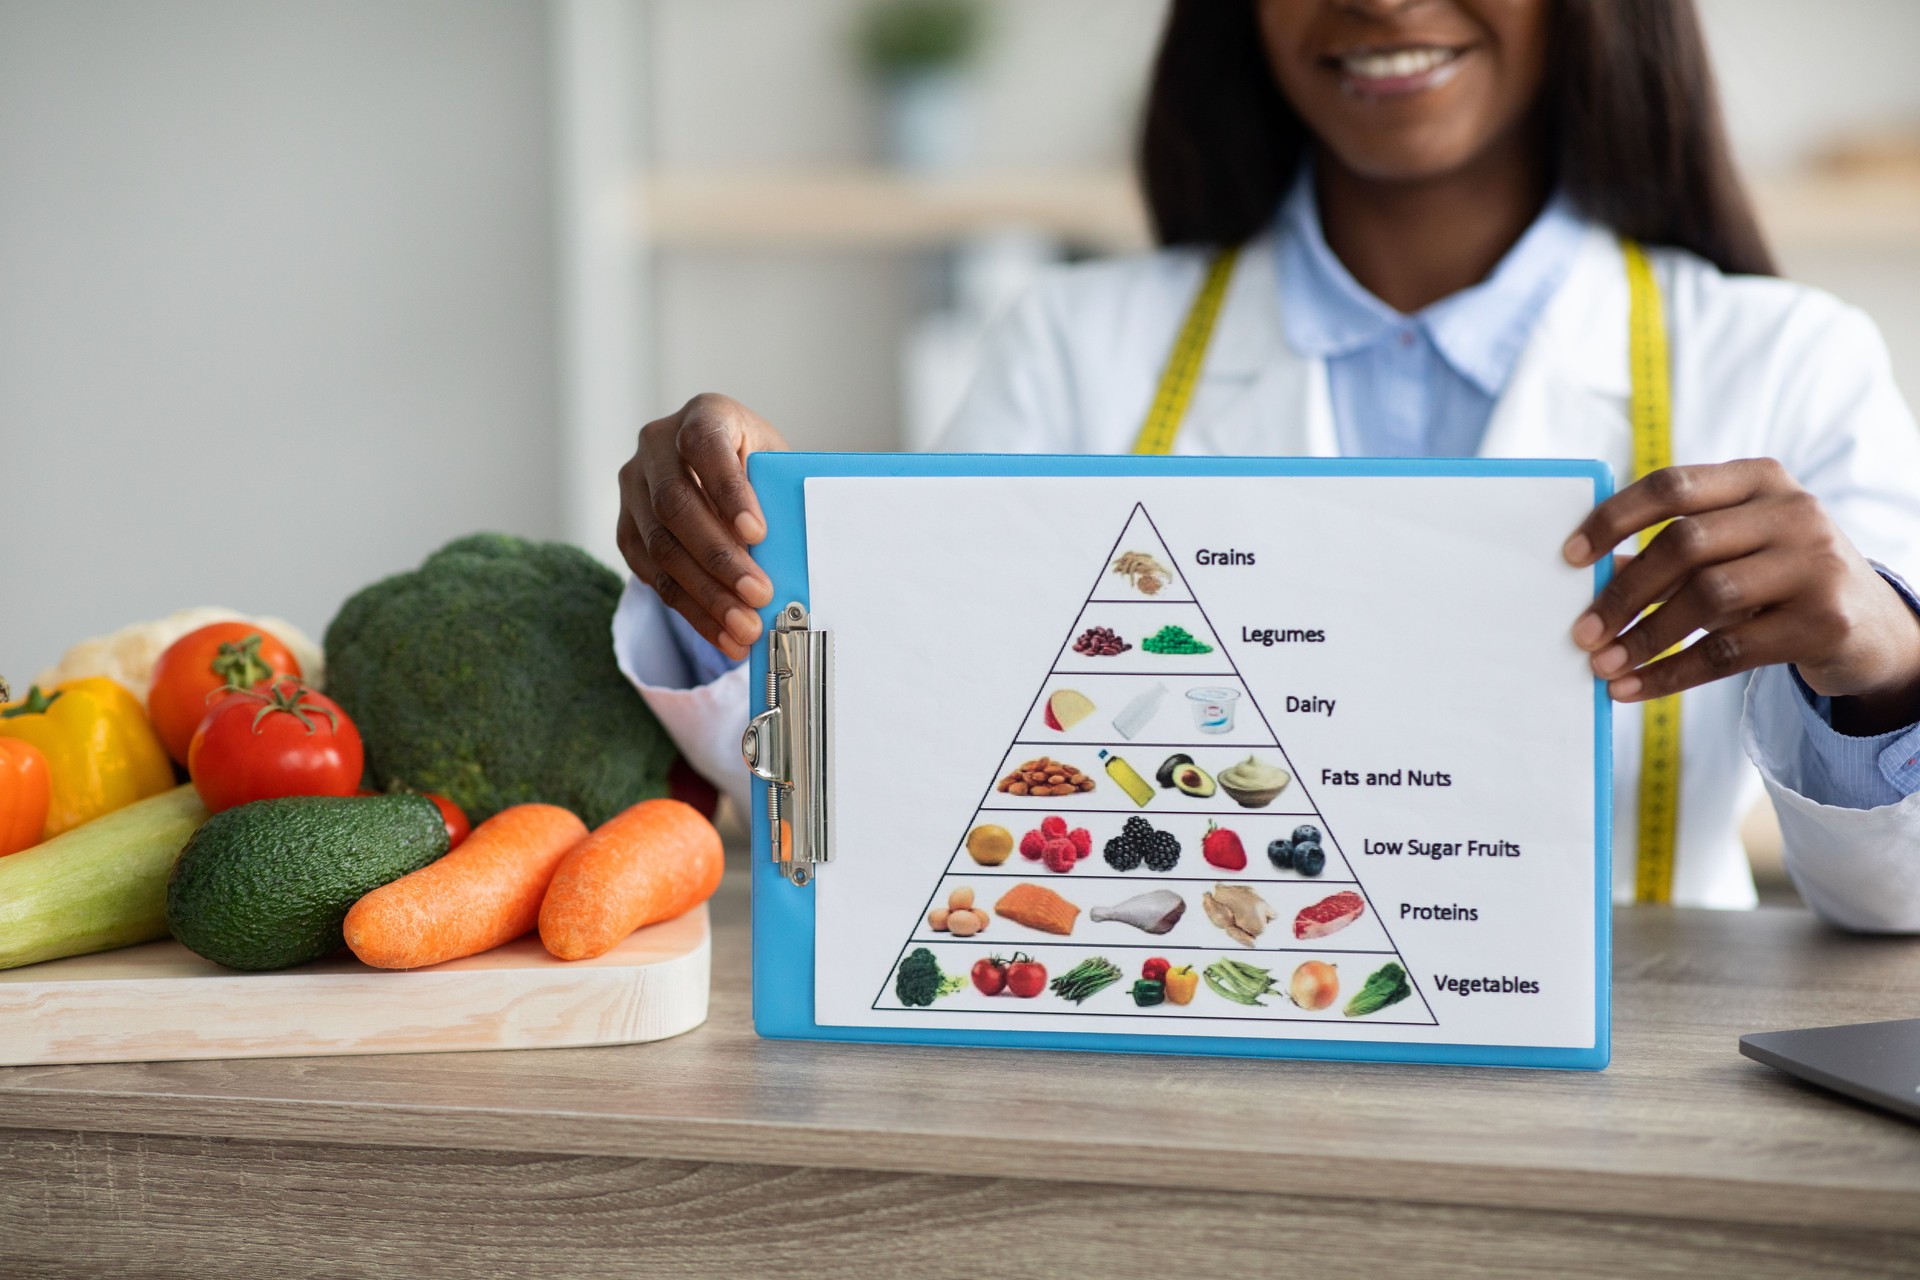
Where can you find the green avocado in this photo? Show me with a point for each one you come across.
(267, 885)
(1193, 780)
(1164, 774)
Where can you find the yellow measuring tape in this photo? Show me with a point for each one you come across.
(1178, 379)
(1651, 411)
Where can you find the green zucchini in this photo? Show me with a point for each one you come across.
(99, 886)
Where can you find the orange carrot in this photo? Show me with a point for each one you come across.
(482, 894)
(651, 863)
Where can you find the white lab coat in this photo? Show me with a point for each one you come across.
(1760, 367)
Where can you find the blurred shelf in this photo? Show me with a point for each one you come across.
(876, 209)
(1101, 211)
(1865, 210)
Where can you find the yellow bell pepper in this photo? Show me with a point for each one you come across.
(101, 752)
(1181, 982)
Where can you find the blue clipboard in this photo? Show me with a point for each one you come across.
(783, 913)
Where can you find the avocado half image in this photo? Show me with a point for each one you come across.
(1179, 772)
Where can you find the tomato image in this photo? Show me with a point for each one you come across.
(223, 655)
(1026, 977)
(458, 828)
(281, 739)
(990, 975)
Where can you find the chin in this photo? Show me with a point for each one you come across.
(1415, 157)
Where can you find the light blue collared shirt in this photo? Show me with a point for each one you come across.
(1424, 386)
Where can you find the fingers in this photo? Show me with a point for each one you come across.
(687, 513)
(1681, 550)
(679, 577)
(633, 547)
(1669, 493)
(1761, 641)
(716, 434)
(1717, 597)
(679, 501)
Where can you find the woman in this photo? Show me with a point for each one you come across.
(1436, 209)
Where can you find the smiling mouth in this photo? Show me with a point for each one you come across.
(1395, 72)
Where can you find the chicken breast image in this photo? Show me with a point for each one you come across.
(1240, 911)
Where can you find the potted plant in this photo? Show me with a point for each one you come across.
(919, 52)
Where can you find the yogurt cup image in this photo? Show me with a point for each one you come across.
(1213, 708)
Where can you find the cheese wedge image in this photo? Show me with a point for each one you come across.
(1067, 708)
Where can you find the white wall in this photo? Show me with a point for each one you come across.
(276, 301)
(1793, 74)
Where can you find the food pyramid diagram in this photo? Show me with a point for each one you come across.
(1145, 848)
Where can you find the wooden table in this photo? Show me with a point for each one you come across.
(721, 1154)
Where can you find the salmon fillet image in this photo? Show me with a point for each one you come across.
(1037, 908)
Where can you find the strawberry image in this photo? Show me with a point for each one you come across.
(1223, 849)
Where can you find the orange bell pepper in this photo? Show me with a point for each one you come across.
(23, 795)
(100, 752)
(23, 792)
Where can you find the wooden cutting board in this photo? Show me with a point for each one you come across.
(160, 1002)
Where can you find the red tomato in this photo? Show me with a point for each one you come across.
(281, 739)
(1026, 977)
(458, 827)
(223, 655)
(990, 975)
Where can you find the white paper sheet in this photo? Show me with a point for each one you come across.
(1398, 645)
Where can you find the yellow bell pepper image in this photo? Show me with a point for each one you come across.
(101, 752)
(1181, 982)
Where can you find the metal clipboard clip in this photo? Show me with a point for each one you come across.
(787, 745)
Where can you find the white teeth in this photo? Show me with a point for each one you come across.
(1396, 65)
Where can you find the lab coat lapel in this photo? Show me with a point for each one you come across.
(1257, 396)
(1568, 394)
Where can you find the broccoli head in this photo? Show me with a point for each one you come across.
(920, 981)
(488, 675)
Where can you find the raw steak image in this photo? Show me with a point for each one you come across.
(1329, 915)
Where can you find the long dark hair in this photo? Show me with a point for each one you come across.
(1634, 132)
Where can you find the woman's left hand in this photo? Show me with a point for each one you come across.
(1753, 560)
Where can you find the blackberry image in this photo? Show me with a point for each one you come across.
(1139, 843)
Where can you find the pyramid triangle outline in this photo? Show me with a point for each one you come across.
(1038, 875)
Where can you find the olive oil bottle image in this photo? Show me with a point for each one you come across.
(1130, 782)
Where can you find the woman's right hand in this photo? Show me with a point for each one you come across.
(688, 515)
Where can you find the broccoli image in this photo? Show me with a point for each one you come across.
(488, 675)
(920, 981)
